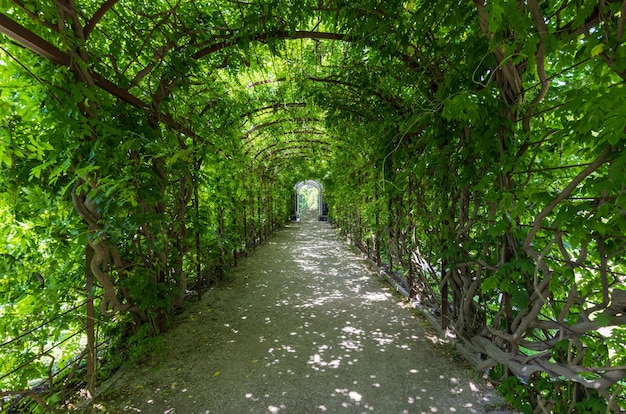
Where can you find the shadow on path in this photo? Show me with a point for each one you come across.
(303, 327)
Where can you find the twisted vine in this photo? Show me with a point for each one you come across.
(106, 258)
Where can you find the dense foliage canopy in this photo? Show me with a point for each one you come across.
(474, 148)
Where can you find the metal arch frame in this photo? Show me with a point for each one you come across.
(322, 214)
(280, 146)
(248, 136)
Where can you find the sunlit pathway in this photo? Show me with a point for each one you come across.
(303, 327)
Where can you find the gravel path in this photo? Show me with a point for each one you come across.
(302, 327)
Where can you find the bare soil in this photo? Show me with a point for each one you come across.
(302, 326)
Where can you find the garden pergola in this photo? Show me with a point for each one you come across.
(474, 149)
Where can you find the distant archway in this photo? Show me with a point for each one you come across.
(302, 200)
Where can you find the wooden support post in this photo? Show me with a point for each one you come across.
(378, 233)
(444, 297)
(508, 309)
(90, 323)
(196, 205)
(259, 232)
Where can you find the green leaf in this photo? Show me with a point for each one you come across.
(6, 159)
(496, 11)
(597, 49)
(489, 283)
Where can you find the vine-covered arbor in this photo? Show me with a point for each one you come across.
(475, 149)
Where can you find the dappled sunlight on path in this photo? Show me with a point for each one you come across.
(304, 327)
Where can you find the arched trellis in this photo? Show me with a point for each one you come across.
(42, 47)
(159, 66)
(248, 136)
(322, 213)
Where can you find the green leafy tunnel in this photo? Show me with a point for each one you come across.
(473, 149)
